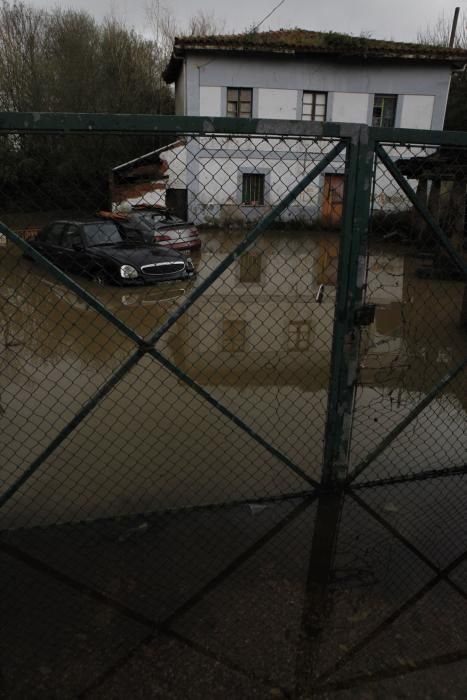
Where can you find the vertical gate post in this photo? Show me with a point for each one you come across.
(351, 280)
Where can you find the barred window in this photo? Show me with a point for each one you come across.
(384, 110)
(299, 335)
(234, 335)
(253, 188)
(239, 102)
(314, 106)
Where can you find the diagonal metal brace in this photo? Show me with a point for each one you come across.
(71, 284)
(400, 537)
(69, 428)
(447, 379)
(422, 209)
(144, 345)
(442, 575)
(180, 374)
(429, 474)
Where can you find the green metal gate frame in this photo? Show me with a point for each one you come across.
(375, 151)
(362, 145)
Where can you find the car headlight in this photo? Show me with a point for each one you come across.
(189, 264)
(128, 272)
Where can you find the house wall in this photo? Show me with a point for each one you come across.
(349, 107)
(180, 89)
(211, 169)
(278, 86)
(211, 99)
(214, 170)
(417, 111)
(276, 104)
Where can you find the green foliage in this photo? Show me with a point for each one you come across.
(345, 42)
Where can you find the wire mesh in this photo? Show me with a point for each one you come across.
(164, 530)
(419, 337)
(247, 340)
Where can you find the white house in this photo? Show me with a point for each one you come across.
(298, 75)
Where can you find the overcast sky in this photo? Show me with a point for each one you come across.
(386, 19)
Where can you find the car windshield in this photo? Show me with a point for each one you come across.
(104, 233)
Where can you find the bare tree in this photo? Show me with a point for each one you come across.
(439, 33)
(71, 55)
(204, 24)
(22, 38)
(164, 27)
(63, 60)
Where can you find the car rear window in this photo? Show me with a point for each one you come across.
(137, 223)
(100, 234)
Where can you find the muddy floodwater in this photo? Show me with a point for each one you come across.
(258, 341)
(170, 548)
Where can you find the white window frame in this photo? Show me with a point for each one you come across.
(312, 116)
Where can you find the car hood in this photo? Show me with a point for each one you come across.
(124, 253)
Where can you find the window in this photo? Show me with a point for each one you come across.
(299, 335)
(384, 110)
(102, 233)
(52, 234)
(71, 237)
(253, 189)
(234, 335)
(239, 102)
(250, 268)
(314, 106)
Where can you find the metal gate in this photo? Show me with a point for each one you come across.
(424, 434)
(159, 439)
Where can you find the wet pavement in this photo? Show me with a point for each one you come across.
(163, 551)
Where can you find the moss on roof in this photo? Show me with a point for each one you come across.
(301, 41)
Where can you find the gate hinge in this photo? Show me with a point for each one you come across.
(364, 315)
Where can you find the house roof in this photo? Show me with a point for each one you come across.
(302, 41)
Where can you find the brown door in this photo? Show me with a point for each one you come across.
(333, 200)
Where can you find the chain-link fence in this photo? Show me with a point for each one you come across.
(412, 388)
(231, 352)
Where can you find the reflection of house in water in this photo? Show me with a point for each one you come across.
(263, 314)
(257, 340)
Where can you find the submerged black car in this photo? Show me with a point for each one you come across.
(98, 250)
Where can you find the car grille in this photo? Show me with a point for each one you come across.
(164, 268)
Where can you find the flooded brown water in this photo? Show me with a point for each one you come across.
(361, 595)
(258, 341)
